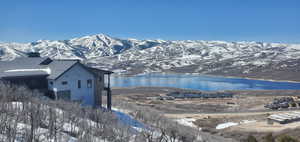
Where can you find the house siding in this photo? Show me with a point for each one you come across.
(99, 83)
(83, 94)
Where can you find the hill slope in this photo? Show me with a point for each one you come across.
(130, 56)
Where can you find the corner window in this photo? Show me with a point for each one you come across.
(89, 83)
(79, 83)
(64, 83)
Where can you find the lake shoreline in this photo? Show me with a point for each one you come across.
(250, 78)
(212, 75)
(204, 82)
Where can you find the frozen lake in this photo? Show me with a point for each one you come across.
(199, 82)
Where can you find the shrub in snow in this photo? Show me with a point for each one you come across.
(26, 116)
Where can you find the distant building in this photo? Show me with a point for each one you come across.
(61, 79)
(284, 118)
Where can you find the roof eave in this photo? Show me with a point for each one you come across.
(104, 71)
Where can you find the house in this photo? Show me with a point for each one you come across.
(61, 79)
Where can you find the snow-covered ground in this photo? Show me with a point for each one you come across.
(231, 124)
(42, 133)
(128, 120)
(226, 125)
(187, 122)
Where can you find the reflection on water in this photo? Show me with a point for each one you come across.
(199, 82)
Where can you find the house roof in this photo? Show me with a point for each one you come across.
(58, 67)
(23, 74)
(99, 70)
(36, 66)
(20, 67)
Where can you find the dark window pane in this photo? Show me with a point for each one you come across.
(79, 83)
(89, 83)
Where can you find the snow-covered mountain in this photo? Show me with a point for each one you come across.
(132, 56)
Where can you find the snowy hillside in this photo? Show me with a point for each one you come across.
(131, 56)
(28, 116)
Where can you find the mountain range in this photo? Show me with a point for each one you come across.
(276, 61)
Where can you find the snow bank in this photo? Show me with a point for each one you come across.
(230, 124)
(187, 122)
(128, 120)
(226, 125)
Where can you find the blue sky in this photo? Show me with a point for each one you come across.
(230, 20)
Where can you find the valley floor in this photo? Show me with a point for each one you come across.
(235, 117)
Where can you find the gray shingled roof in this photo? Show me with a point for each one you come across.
(19, 64)
(32, 67)
(22, 74)
(58, 67)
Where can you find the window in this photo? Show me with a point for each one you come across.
(51, 82)
(64, 83)
(100, 78)
(79, 83)
(65, 95)
(89, 83)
